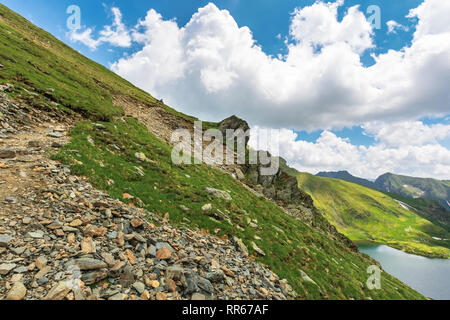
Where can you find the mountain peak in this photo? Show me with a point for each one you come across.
(347, 176)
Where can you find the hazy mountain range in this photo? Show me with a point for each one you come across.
(428, 188)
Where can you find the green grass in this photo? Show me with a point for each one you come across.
(426, 208)
(34, 61)
(365, 214)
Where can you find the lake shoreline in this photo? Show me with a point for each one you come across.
(402, 248)
(428, 276)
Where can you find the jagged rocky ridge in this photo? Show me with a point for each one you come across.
(282, 188)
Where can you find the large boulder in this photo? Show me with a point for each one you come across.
(234, 123)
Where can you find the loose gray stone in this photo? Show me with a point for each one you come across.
(215, 276)
(161, 245)
(11, 200)
(19, 251)
(89, 264)
(7, 154)
(151, 251)
(5, 268)
(5, 240)
(198, 297)
(21, 269)
(139, 238)
(139, 287)
(306, 278)
(55, 135)
(42, 280)
(36, 234)
(95, 276)
(219, 194)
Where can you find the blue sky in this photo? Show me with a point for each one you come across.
(266, 19)
(269, 22)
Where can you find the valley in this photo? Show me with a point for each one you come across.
(365, 214)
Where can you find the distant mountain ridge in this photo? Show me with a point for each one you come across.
(366, 214)
(428, 188)
(345, 175)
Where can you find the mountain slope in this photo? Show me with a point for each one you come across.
(416, 187)
(93, 219)
(345, 175)
(366, 214)
(427, 208)
(118, 154)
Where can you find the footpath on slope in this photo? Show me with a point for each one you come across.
(62, 239)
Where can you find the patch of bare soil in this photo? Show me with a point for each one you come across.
(154, 117)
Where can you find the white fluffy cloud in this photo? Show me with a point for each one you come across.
(413, 133)
(212, 68)
(116, 34)
(393, 26)
(433, 18)
(409, 148)
(318, 25)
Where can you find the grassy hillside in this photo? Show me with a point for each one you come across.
(426, 208)
(416, 187)
(48, 74)
(366, 214)
(178, 193)
(36, 61)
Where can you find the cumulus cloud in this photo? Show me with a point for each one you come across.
(116, 34)
(85, 37)
(393, 26)
(317, 25)
(212, 68)
(407, 133)
(433, 18)
(409, 148)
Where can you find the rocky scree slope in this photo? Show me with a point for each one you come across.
(59, 236)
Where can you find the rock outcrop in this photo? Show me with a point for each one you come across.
(278, 187)
(282, 187)
(233, 123)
